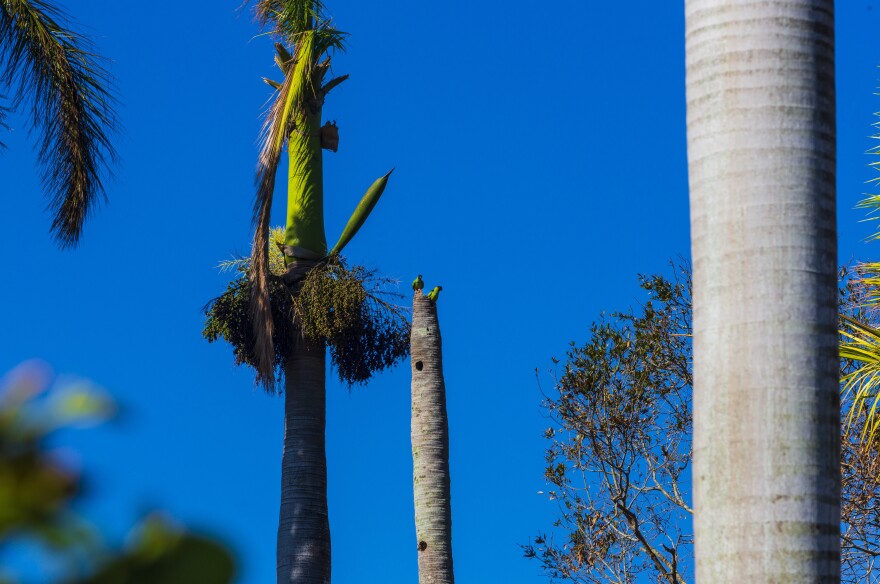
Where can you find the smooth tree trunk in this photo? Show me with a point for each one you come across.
(761, 160)
(304, 527)
(430, 445)
(303, 554)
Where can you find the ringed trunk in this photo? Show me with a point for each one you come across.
(761, 162)
(304, 527)
(430, 444)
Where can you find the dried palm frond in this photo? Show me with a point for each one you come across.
(299, 89)
(56, 71)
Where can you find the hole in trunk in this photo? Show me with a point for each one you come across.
(423, 546)
(419, 366)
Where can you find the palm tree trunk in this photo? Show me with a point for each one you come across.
(430, 444)
(761, 160)
(304, 527)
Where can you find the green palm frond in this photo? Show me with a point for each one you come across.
(867, 275)
(861, 343)
(57, 72)
(289, 19)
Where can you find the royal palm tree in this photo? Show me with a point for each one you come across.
(306, 40)
(430, 446)
(761, 161)
(56, 72)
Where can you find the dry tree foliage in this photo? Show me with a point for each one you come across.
(620, 452)
(620, 448)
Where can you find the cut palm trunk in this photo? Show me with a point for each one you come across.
(430, 444)
(761, 162)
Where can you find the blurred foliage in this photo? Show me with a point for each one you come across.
(620, 447)
(162, 554)
(350, 310)
(37, 492)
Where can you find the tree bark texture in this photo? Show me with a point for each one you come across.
(304, 527)
(430, 444)
(761, 161)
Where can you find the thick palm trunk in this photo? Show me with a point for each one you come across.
(303, 527)
(761, 158)
(430, 444)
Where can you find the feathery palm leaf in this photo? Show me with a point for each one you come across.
(861, 343)
(56, 71)
(288, 19)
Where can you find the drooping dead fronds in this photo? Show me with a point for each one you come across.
(274, 133)
(56, 71)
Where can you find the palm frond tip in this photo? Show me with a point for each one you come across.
(288, 19)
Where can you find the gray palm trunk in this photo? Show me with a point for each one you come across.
(430, 444)
(761, 160)
(303, 555)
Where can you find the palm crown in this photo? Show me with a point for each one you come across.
(294, 118)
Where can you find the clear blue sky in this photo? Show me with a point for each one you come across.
(541, 165)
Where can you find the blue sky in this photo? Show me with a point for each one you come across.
(541, 165)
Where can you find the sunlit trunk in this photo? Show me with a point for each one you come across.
(761, 158)
(430, 444)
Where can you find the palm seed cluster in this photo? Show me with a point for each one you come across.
(350, 310)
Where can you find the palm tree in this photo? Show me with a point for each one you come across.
(430, 444)
(761, 161)
(58, 74)
(295, 119)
